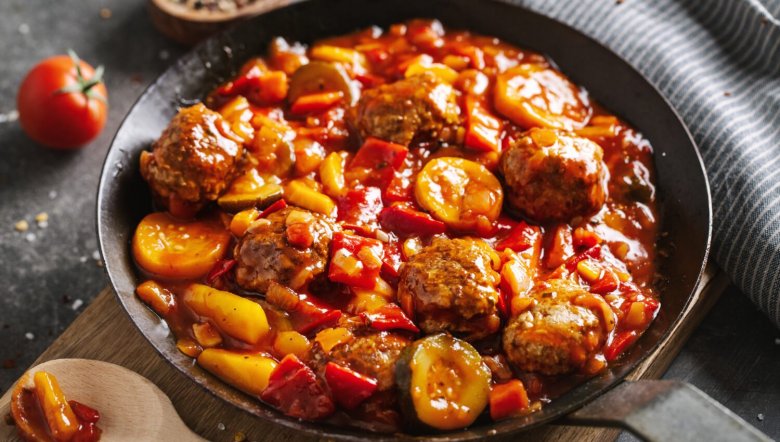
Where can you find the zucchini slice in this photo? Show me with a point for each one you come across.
(444, 384)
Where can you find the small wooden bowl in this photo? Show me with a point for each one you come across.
(189, 26)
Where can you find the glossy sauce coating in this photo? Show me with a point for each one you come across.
(526, 214)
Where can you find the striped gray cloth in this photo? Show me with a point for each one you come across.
(718, 62)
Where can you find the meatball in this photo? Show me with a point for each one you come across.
(373, 353)
(554, 336)
(554, 176)
(409, 109)
(450, 286)
(289, 246)
(195, 158)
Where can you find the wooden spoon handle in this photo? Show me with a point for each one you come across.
(131, 406)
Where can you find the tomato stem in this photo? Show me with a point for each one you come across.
(82, 84)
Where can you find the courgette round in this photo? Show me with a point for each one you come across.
(443, 383)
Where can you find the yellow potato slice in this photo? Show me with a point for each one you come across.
(172, 248)
(463, 194)
(533, 95)
(247, 372)
(238, 317)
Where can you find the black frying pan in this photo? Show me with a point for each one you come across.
(123, 198)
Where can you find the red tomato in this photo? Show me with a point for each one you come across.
(61, 105)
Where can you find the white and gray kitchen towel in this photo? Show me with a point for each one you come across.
(718, 63)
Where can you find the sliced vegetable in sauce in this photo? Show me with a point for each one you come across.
(168, 247)
(461, 193)
(443, 382)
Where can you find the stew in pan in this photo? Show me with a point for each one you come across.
(412, 227)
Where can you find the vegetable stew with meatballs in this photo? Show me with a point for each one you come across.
(403, 229)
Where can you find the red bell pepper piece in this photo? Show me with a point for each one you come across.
(360, 206)
(382, 158)
(319, 317)
(349, 388)
(619, 344)
(401, 219)
(520, 238)
(585, 239)
(259, 86)
(607, 283)
(483, 130)
(355, 261)
(391, 261)
(316, 103)
(293, 389)
(84, 413)
(220, 268)
(593, 252)
(389, 317)
(87, 433)
(398, 190)
(508, 399)
(278, 205)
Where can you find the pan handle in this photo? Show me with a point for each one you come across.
(662, 410)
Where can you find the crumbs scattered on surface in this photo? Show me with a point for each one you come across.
(24, 29)
(52, 194)
(619, 2)
(83, 259)
(777, 341)
(9, 117)
(42, 219)
(727, 93)
(8, 364)
(105, 13)
(76, 304)
(221, 426)
(29, 336)
(30, 237)
(239, 437)
(22, 225)
(164, 55)
(66, 299)
(760, 416)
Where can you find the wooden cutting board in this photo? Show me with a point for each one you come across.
(104, 332)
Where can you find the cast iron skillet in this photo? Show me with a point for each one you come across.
(684, 200)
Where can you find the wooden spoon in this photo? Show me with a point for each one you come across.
(131, 407)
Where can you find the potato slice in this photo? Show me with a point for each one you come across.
(247, 372)
(461, 193)
(533, 95)
(172, 248)
(238, 317)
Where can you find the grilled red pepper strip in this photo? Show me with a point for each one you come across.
(389, 317)
(381, 158)
(320, 317)
(294, 390)
(278, 205)
(349, 388)
(593, 252)
(520, 238)
(619, 344)
(355, 261)
(401, 219)
(220, 268)
(508, 399)
(360, 206)
(84, 413)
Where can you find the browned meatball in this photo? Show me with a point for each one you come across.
(289, 246)
(451, 286)
(409, 109)
(374, 354)
(195, 158)
(554, 176)
(554, 336)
